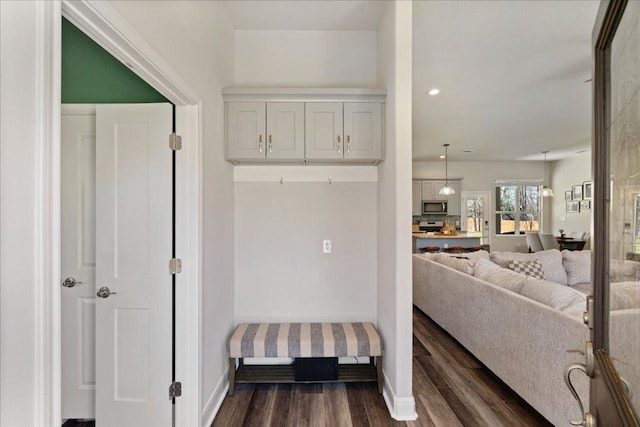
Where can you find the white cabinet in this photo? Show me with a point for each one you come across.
(259, 130)
(430, 190)
(454, 205)
(323, 130)
(416, 193)
(350, 130)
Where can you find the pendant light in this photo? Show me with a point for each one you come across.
(446, 190)
(546, 191)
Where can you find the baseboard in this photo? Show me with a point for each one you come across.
(400, 408)
(215, 400)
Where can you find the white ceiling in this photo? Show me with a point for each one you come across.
(511, 73)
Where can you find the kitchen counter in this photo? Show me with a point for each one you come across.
(421, 240)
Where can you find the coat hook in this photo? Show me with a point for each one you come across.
(329, 180)
(281, 179)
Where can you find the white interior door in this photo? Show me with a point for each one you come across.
(134, 246)
(475, 214)
(78, 197)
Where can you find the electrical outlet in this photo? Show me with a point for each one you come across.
(326, 246)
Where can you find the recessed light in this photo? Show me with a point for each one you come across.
(443, 157)
(434, 91)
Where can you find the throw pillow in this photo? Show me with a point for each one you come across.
(529, 268)
(550, 259)
(578, 266)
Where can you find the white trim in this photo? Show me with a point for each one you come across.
(215, 400)
(47, 360)
(79, 109)
(400, 408)
(304, 94)
(290, 174)
(101, 22)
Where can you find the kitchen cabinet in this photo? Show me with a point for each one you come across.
(350, 130)
(416, 193)
(308, 125)
(271, 130)
(430, 190)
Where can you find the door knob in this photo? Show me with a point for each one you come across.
(70, 282)
(104, 292)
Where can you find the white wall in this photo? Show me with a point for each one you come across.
(481, 176)
(394, 210)
(564, 174)
(305, 59)
(305, 286)
(282, 273)
(18, 214)
(196, 38)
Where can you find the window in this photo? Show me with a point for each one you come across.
(517, 207)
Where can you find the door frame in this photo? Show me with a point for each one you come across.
(102, 23)
(607, 399)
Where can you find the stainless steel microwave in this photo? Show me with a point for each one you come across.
(434, 207)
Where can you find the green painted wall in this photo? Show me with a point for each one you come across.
(91, 75)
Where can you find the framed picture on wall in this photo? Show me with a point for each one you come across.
(567, 196)
(573, 206)
(585, 205)
(586, 190)
(577, 192)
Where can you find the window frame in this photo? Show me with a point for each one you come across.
(517, 213)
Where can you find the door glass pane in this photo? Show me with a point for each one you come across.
(624, 227)
(475, 215)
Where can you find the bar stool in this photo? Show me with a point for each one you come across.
(455, 250)
(473, 249)
(431, 249)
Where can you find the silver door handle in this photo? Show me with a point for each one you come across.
(70, 282)
(104, 292)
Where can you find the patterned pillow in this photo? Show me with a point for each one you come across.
(530, 268)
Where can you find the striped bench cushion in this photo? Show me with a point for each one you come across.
(305, 340)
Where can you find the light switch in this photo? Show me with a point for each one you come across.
(326, 246)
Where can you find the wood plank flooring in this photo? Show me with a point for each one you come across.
(450, 386)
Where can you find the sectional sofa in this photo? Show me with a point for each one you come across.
(524, 328)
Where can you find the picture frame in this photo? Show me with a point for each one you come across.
(568, 196)
(585, 205)
(586, 190)
(576, 191)
(573, 206)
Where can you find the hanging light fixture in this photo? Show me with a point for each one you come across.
(446, 190)
(546, 191)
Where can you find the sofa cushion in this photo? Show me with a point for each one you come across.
(624, 271)
(552, 294)
(496, 275)
(551, 261)
(577, 264)
(529, 268)
(624, 295)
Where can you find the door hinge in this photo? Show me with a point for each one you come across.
(175, 142)
(175, 265)
(175, 390)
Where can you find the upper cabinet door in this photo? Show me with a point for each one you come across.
(362, 130)
(323, 130)
(454, 207)
(246, 137)
(285, 130)
(416, 192)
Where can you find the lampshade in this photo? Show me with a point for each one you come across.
(546, 191)
(446, 190)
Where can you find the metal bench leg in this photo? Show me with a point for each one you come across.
(232, 375)
(380, 378)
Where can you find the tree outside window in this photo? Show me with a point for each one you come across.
(517, 209)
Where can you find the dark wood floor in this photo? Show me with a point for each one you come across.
(450, 386)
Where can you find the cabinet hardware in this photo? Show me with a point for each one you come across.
(348, 144)
(260, 143)
(270, 145)
(339, 146)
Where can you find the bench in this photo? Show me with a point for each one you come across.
(304, 340)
